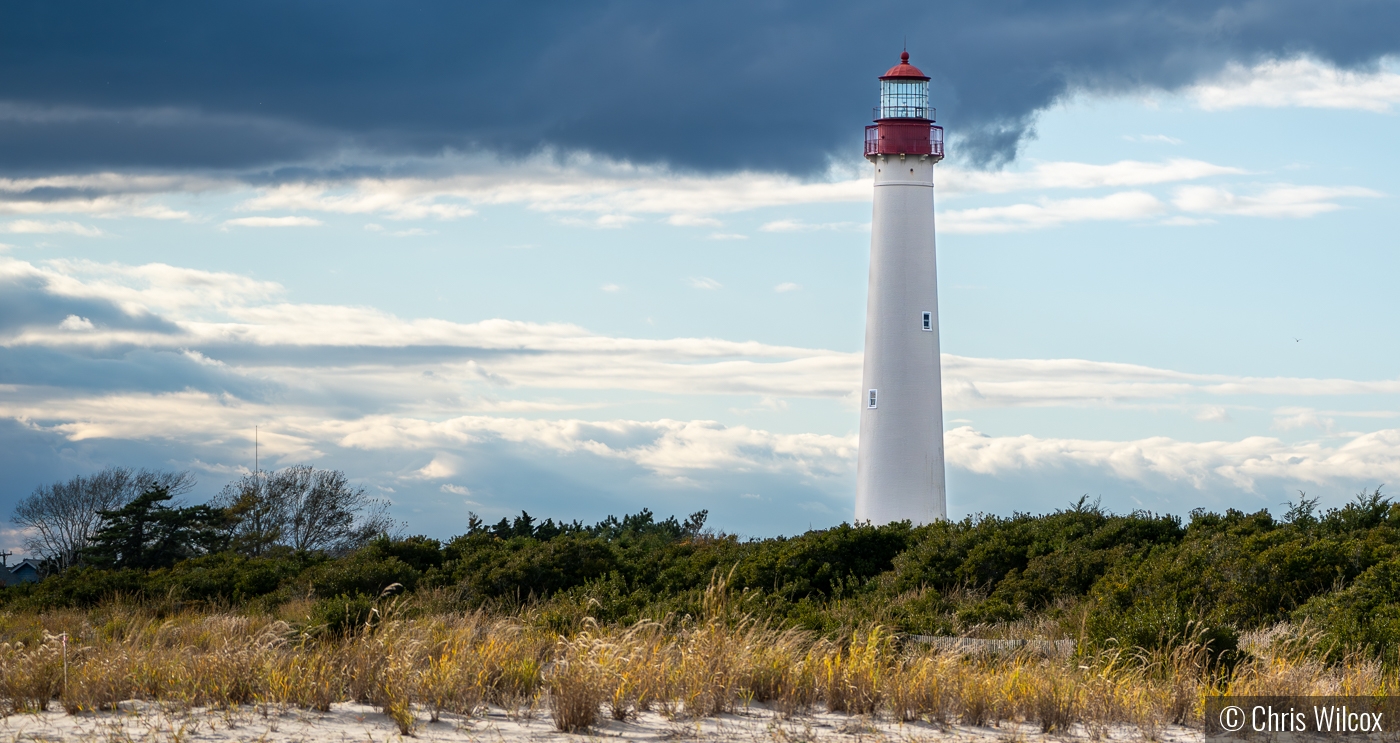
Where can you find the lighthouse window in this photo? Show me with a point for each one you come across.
(928, 321)
(874, 397)
(904, 99)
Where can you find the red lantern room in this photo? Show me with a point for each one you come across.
(903, 120)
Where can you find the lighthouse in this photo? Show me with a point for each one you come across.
(899, 475)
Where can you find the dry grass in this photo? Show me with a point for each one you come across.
(686, 668)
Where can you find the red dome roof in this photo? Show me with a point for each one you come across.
(904, 69)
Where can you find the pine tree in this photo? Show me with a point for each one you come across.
(146, 534)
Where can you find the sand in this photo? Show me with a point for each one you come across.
(143, 722)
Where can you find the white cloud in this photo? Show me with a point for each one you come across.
(273, 222)
(1123, 173)
(448, 487)
(681, 449)
(786, 286)
(1278, 201)
(1238, 464)
(205, 312)
(970, 383)
(1288, 419)
(768, 402)
(1213, 413)
(441, 466)
(670, 448)
(215, 310)
(110, 194)
(580, 190)
(765, 404)
(692, 220)
(1273, 201)
(12, 540)
(443, 406)
(111, 183)
(102, 206)
(160, 211)
(704, 282)
(664, 447)
(394, 198)
(1302, 82)
(611, 288)
(796, 225)
(154, 288)
(30, 226)
(75, 323)
(593, 192)
(571, 185)
(531, 406)
(1125, 205)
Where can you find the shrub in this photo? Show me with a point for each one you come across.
(226, 577)
(341, 615)
(419, 553)
(364, 573)
(1363, 617)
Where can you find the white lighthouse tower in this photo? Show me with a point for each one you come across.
(900, 472)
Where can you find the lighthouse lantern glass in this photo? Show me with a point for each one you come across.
(904, 99)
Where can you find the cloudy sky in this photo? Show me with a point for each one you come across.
(584, 258)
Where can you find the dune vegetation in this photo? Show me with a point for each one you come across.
(638, 614)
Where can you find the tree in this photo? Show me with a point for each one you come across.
(303, 508)
(61, 519)
(695, 523)
(256, 520)
(146, 534)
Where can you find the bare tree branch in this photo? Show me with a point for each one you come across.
(303, 508)
(62, 518)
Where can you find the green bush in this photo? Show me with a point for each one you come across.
(521, 568)
(1364, 616)
(824, 563)
(1134, 580)
(1029, 560)
(340, 615)
(79, 587)
(227, 577)
(420, 553)
(364, 573)
(989, 611)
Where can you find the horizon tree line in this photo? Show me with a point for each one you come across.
(124, 517)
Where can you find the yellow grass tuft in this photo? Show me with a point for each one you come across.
(429, 665)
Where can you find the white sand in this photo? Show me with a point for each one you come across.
(140, 722)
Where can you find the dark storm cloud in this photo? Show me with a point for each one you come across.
(36, 140)
(715, 85)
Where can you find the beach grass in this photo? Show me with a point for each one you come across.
(416, 664)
